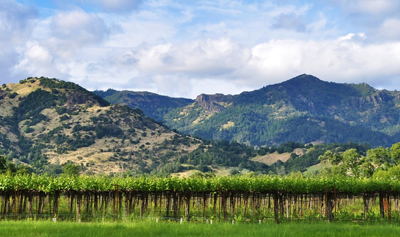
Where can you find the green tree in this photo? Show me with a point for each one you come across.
(71, 169)
(381, 157)
(349, 162)
(3, 164)
(395, 153)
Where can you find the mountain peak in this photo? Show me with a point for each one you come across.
(303, 80)
(212, 103)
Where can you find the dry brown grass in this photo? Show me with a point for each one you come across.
(185, 174)
(100, 156)
(270, 159)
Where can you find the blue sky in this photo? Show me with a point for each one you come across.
(183, 48)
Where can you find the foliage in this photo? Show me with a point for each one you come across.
(10, 168)
(153, 105)
(303, 109)
(264, 184)
(224, 153)
(60, 84)
(71, 169)
(376, 159)
(12, 95)
(311, 156)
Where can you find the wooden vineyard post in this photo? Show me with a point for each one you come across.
(224, 205)
(115, 200)
(15, 206)
(245, 202)
(215, 203)
(71, 207)
(30, 204)
(287, 206)
(142, 202)
(276, 211)
(16, 194)
(220, 202)
(95, 204)
(295, 205)
(175, 204)
(252, 204)
(167, 206)
(56, 203)
(321, 200)
(127, 195)
(381, 205)
(301, 206)
(204, 205)
(389, 207)
(161, 196)
(281, 205)
(49, 200)
(120, 202)
(328, 218)
(269, 202)
(78, 206)
(155, 202)
(232, 205)
(335, 200)
(365, 202)
(187, 205)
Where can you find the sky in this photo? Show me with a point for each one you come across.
(183, 48)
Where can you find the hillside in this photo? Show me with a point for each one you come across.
(46, 121)
(153, 105)
(303, 109)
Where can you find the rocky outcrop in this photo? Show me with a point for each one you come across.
(211, 103)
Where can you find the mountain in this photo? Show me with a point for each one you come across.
(303, 109)
(153, 105)
(47, 123)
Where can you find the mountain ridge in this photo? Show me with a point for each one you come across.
(46, 122)
(265, 116)
(156, 107)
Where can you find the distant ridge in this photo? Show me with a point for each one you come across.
(45, 123)
(302, 109)
(153, 105)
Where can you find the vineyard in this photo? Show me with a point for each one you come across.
(263, 198)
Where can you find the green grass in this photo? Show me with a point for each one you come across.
(150, 228)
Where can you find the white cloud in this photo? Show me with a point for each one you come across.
(289, 22)
(109, 6)
(16, 21)
(144, 27)
(184, 48)
(373, 7)
(117, 5)
(389, 29)
(75, 29)
(36, 60)
(371, 16)
(59, 43)
(318, 25)
(184, 69)
(342, 60)
(198, 58)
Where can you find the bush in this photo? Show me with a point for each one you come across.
(234, 172)
(71, 169)
(12, 95)
(28, 130)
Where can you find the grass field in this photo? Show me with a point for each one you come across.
(147, 228)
